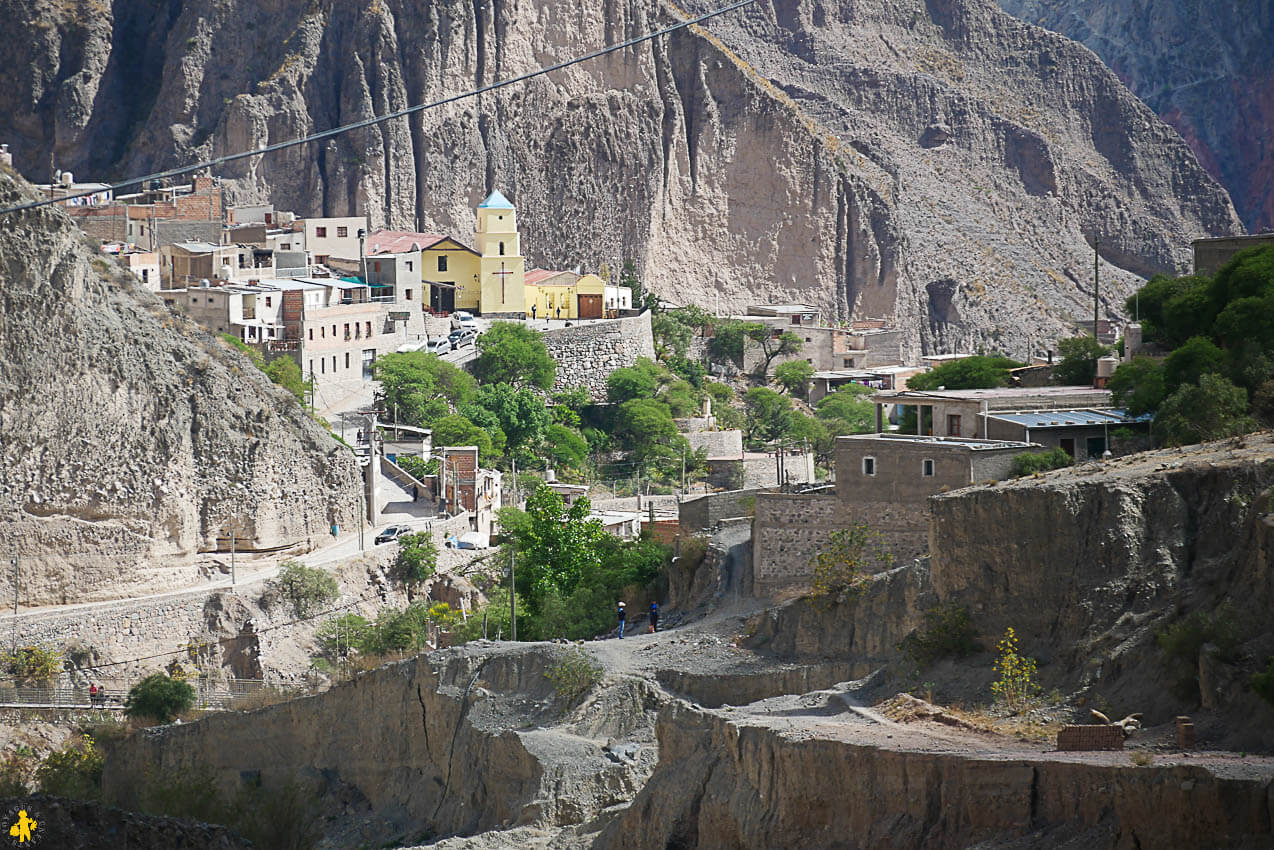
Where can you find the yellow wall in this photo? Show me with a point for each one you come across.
(463, 269)
(549, 294)
(501, 293)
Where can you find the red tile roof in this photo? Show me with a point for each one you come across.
(536, 275)
(400, 241)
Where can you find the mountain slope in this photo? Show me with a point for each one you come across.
(938, 162)
(132, 438)
(1203, 67)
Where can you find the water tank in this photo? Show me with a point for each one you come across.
(1106, 366)
(204, 283)
(550, 477)
(66, 179)
(225, 272)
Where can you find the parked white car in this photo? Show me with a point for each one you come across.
(439, 345)
(461, 320)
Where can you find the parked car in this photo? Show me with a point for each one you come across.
(462, 337)
(440, 345)
(461, 320)
(392, 533)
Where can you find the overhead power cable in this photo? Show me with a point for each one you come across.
(369, 122)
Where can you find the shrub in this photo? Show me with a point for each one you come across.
(417, 559)
(1017, 682)
(159, 697)
(16, 768)
(418, 467)
(1183, 639)
(33, 664)
(306, 589)
(1029, 463)
(574, 675)
(1263, 682)
(947, 632)
(337, 636)
(73, 771)
(794, 376)
(842, 567)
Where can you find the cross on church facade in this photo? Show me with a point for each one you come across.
(503, 275)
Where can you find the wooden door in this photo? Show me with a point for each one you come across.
(590, 306)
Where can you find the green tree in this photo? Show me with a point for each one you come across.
(337, 636)
(643, 299)
(849, 410)
(1029, 463)
(769, 415)
(306, 589)
(565, 447)
(772, 345)
(556, 548)
(420, 388)
(33, 664)
(512, 353)
(456, 430)
(641, 380)
(794, 376)
(843, 566)
(417, 559)
(569, 405)
(1017, 682)
(159, 697)
(642, 423)
(969, 373)
(73, 771)
(729, 338)
(284, 372)
(1079, 360)
(1210, 410)
(672, 337)
(1138, 385)
(1199, 356)
(682, 398)
(518, 412)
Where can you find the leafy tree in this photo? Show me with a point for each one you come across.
(417, 559)
(421, 388)
(456, 430)
(1210, 410)
(159, 697)
(1079, 360)
(284, 372)
(948, 632)
(794, 376)
(848, 410)
(729, 339)
(337, 636)
(417, 467)
(518, 412)
(970, 373)
(565, 447)
(643, 422)
(672, 337)
(682, 398)
(843, 566)
(557, 547)
(1138, 385)
(33, 664)
(1017, 683)
(643, 299)
(1198, 357)
(691, 371)
(306, 589)
(769, 415)
(512, 353)
(773, 346)
(641, 380)
(568, 406)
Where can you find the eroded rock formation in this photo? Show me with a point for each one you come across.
(938, 162)
(1203, 67)
(131, 437)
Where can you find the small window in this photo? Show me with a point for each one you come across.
(311, 366)
(409, 295)
(369, 328)
(342, 232)
(333, 362)
(442, 263)
(322, 366)
(501, 249)
(409, 266)
(311, 339)
(869, 466)
(320, 232)
(267, 301)
(287, 246)
(347, 360)
(926, 467)
(322, 333)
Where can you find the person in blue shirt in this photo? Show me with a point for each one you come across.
(622, 617)
(654, 616)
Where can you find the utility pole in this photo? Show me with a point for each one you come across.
(233, 573)
(362, 510)
(1096, 258)
(14, 650)
(513, 594)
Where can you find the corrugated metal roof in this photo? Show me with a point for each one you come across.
(1068, 418)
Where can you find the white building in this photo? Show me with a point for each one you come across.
(333, 237)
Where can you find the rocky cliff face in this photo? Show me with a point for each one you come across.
(1203, 67)
(131, 438)
(939, 162)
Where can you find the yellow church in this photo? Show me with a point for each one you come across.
(492, 280)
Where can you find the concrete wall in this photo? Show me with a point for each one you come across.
(719, 444)
(587, 354)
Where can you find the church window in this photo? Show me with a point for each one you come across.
(501, 249)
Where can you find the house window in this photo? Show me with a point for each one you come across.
(369, 328)
(342, 232)
(442, 263)
(311, 334)
(953, 425)
(347, 330)
(322, 332)
(311, 367)
(409, 295)
(926, 467)
(501, 249)
(409, 265)
(347, 360)
(267, 301)
(286, 246)
(869, 466)
(320, 232)
(322, 366)
(333, 362)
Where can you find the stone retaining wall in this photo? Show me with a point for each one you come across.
(587, 354)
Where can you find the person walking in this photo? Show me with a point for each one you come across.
(559, 314)
(533, 308)
(623, 616)
(654, 617)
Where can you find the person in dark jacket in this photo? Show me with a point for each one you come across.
(654, 616)
(623, 616)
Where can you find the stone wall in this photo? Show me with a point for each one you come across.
(719, 444)
(587, 354)
(703, 512)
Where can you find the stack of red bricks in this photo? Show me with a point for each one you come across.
(1095, 737)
